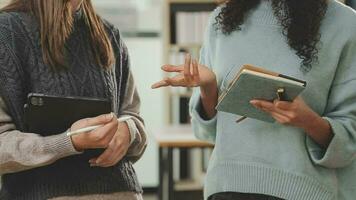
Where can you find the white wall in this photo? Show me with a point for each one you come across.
(3, 2)
(132, 15)
(146, 59)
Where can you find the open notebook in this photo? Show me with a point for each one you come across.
(256, 83)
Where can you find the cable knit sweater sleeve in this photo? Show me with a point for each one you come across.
(22, 151)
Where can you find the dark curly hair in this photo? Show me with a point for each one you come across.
(300, 19)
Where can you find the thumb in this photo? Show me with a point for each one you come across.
(160, 84)
(102, 119)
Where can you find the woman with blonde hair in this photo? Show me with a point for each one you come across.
(63, 48)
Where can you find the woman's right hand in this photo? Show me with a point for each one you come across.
(98, 138)
(191, 74)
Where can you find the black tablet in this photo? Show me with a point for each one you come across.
(48, 115)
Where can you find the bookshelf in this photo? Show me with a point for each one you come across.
(184, 27)
(185, 22)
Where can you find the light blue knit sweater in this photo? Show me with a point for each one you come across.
(270, 158)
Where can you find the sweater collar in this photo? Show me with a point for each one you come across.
(264, 14)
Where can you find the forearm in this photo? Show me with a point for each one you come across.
(319, 130)
(209, 99)
(23, 151)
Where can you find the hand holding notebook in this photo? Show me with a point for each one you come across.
(252, 83)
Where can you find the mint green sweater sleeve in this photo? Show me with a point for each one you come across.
(203, 129)
(340, 113)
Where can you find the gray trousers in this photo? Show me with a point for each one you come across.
(240, 196)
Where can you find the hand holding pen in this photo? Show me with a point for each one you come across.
(91, 128)
(105, 128)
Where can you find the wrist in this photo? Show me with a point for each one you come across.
(76, 144)
(314, 123)
(319, 130)
(124, 129)
(209, 99)
(208, 89)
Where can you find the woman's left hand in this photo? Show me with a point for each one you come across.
(295, 113)
(298, 114)
(116, 149)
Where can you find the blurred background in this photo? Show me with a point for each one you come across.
(158, 32)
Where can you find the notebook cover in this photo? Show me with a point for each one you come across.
(249, 87)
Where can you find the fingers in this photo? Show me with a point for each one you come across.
(195, 70)
(112, 155)
(187, 68)
(172, 68)
(175, 81)
(188, 74)
(284, 116)
(115, 151)
(269, 107)
(264, 105)
(103, 135)
(284, 105)
(102, 119)
(160, 84)
(280, 118)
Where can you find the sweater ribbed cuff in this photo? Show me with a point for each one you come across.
(61, 145)
(132, 129)
(338, 154)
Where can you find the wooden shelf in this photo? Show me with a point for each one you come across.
(188, 185)
(185, 46)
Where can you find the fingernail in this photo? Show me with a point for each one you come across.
(109, 116)
(253, 102)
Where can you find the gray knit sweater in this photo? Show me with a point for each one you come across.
(23, 71)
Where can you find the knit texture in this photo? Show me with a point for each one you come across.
(22, 71)
(271, 158)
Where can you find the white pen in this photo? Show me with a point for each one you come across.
(90, 128)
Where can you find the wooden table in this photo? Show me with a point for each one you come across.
(168, 139)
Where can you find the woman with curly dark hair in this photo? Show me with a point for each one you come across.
(308, 154)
